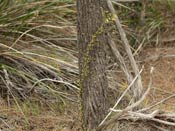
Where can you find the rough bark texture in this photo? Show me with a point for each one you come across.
(92, 39)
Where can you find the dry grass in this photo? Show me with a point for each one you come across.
(38, 63)
(38, 51)
(38, 60)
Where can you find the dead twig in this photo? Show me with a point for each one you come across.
(124, 93)
(118, 116)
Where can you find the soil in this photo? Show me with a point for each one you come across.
(163, 61)
(11, 118)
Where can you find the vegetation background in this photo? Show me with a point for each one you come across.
(39, 60)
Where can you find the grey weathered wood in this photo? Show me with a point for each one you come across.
(137, 90)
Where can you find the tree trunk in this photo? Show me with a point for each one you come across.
(92, 40)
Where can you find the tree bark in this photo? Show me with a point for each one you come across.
(92, 40)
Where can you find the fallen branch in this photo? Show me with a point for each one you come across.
(154, 116)
(118, 101)
(104, 124)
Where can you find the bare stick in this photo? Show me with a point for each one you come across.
(141, 116)
(117, 116)
(120, 59)
(158, 103)
(124, 93)
(137, 115)
(137, 91)
(145, 94)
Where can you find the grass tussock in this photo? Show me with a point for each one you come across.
(38, 52)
